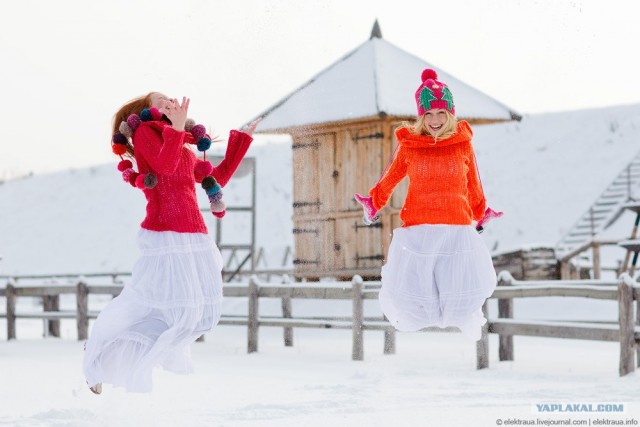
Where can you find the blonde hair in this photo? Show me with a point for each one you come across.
(420, 128)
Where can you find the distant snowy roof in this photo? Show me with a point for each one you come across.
(547, 170)
(376, 78)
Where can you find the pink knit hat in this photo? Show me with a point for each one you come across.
(433, 94)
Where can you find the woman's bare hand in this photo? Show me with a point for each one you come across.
(177, 112)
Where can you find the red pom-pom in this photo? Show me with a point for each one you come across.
(428, 73)
(140, 180)
(203, 168)
(133, 178)
(198, 131)
(126, 174)
(118, 149)
(219, 214)
(133, 121)
(155, 113)
(124, 164)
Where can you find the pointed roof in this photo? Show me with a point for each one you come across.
(376, 79)
(376, 31)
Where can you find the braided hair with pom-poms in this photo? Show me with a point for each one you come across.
(148, 181)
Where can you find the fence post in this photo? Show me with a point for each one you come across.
(597, 269)
(482, 345)
(52, 303)
(389, 339)
(252, 321)
(505, 311)
(357, 318)
(82, 307)
(634, 290)
(627, 325)
(565, 270)
(286, 313)
(10, 293)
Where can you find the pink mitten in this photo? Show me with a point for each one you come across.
(370, 213)
(489, 214)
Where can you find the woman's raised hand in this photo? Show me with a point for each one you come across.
(250, 127)
(177, 112)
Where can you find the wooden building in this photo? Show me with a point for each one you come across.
(530, 263)
(342, 123)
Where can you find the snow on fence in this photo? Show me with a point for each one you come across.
(624, 290)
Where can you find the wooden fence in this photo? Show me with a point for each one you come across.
(624, 290)
(356, 291)
(625, 331)
(50, 295)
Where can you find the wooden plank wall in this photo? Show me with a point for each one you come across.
(530, 264)
(330, 164)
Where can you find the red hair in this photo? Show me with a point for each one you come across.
(132, 107)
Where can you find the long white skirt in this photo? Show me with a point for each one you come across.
(175, 295)
(437, 275)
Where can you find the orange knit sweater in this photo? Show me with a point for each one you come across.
(444, 186)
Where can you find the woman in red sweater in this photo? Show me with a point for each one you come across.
(175, 293)
(439, 271)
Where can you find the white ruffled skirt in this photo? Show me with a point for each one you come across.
(175, 295)
(437, 275)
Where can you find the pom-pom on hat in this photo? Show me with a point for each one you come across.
(433, 94)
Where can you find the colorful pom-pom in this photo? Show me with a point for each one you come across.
(198, 131)
(133, 178)
(428, 73)
(145, 115)
(189, 124)
(203, 168)
(119, 138)
(133, 121)
(215, 197)
(124, 165)
(150, 180)
(126, 174)
(155, 113)
(204, 144)
(140, 180)
(219, 214)
(218, 206)
(118, 149)
(208, 182)
(213, 190)
(125, 129)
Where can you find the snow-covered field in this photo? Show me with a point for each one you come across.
(430, 381)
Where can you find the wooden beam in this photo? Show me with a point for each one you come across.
(582, 331)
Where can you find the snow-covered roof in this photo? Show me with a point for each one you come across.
(376, 78)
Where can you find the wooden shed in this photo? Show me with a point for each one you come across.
(342, 122)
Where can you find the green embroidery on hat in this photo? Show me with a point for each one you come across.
(426, 96)
(446, 96)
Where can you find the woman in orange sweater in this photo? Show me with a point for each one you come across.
(438, 271)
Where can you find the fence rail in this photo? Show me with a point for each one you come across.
(624, 290)
(625, 331)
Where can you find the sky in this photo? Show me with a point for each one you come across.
(67, 66)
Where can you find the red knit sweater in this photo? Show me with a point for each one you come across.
(444, 186)
(172, 203)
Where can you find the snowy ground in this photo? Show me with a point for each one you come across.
(431, 381)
